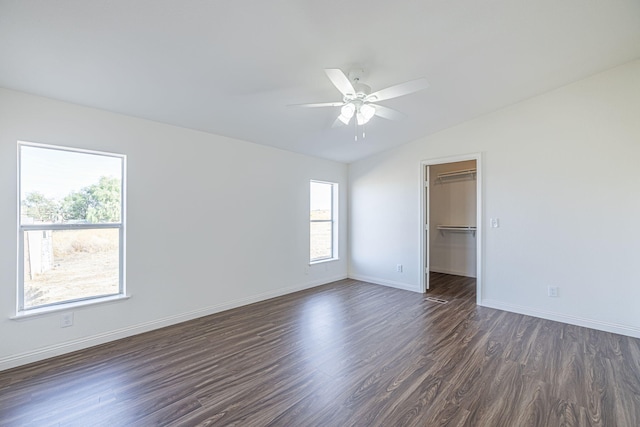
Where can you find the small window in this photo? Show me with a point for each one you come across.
(71, 227)
(323, 221)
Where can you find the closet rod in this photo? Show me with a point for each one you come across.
(456, 173)
(457, 227)
(462, 228)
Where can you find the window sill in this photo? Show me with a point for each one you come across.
(35, 312)
(320, 261)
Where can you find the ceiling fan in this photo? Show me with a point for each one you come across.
(359, 101)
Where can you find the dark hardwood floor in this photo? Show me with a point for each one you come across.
(344, 354)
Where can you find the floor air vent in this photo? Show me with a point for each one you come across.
(438, 300)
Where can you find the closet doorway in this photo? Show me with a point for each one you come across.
(451, 223)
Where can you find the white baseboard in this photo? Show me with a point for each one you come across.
(615, 328)
(383, 282)
(82, 343)
(451, 271)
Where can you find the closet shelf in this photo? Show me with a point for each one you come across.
(460, 228)
(456, 174)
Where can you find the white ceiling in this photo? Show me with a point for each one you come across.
(231, 67)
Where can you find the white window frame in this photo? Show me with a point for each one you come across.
(21, 311)
(333, 220)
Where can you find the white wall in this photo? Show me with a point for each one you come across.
(452, 201)
(250, 202)
(561, 172)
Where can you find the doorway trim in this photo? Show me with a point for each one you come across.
(479, 224)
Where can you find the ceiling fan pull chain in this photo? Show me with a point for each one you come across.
(355, 130)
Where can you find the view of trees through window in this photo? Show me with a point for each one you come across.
(96, 203)
(70, 223)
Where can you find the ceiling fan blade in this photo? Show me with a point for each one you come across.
(318, 104)
(388, 113)
(340, 81)
(337, 123)
(398, 90)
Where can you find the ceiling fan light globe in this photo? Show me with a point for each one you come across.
(361, 119)
(344, 119)
(348, 110)
(367, 111)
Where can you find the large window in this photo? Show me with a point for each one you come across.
(71, 225)
(323, 221)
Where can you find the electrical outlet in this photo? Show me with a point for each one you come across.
(66, 320)
(552, 291)
(399, 268)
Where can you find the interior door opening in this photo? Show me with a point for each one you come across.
(451, 220)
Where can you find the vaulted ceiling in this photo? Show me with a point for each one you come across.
(232, 67)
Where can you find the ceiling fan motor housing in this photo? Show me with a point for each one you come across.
(361, 89)
(361, 92)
